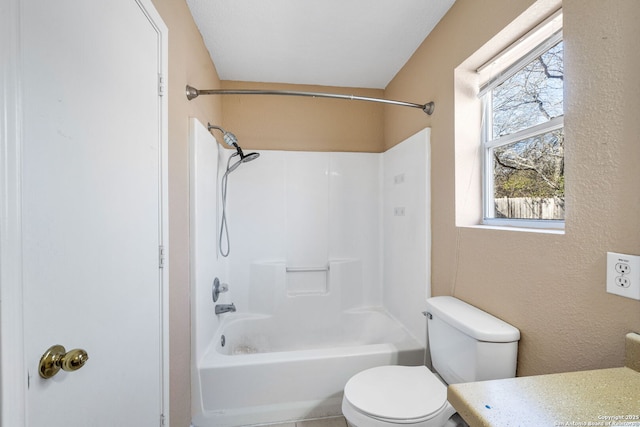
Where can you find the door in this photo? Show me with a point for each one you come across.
(92, 210)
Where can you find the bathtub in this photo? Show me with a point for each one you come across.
(265, 369)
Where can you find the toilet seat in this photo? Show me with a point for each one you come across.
(397, 394)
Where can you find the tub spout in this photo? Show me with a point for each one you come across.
(225, 308)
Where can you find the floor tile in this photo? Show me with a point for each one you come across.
(324, 422)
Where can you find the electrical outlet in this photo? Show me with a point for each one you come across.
(623, 281)
(623, 275)
(622, 267)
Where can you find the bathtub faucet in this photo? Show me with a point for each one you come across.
(225, 308)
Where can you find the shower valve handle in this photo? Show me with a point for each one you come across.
(218, 288)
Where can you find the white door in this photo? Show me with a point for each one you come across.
(92, 216)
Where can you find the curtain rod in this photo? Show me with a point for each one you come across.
(194, 93)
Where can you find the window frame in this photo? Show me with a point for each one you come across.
(552, 36)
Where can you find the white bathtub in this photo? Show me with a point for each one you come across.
(274, 369)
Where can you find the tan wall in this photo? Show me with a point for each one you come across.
(302, 123)
(189, 62)
(552, 287)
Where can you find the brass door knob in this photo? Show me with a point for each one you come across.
(56, 358)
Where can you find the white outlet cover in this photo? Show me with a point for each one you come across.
(623, 275)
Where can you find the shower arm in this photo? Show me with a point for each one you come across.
(194, 93)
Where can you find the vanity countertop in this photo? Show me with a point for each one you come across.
(601, 397)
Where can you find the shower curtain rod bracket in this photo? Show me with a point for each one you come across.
(192, 93)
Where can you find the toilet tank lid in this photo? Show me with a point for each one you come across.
(472, 321)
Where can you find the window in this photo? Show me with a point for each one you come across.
(523, 133)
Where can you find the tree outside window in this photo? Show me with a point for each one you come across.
(524, 141)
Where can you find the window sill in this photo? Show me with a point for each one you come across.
(555, 231)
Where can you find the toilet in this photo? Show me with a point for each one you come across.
(466, 344)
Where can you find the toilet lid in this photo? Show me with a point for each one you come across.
(396, 393)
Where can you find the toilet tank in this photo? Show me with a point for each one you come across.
(468, 344)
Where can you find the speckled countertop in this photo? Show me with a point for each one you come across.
(601, 397)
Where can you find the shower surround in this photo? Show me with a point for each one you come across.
(328, 269)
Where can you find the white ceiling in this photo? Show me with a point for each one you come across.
(350, 43)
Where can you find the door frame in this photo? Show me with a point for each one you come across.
(13, 370)
(12, 364)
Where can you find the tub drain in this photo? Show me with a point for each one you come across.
(223, 340)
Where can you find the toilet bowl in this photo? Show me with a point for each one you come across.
(466, 344)
(389, 396)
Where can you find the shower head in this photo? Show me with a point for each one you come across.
(230, 139)
(243, 159)
(249, 157)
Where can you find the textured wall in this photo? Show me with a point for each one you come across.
(302, 123)
(550, 286)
